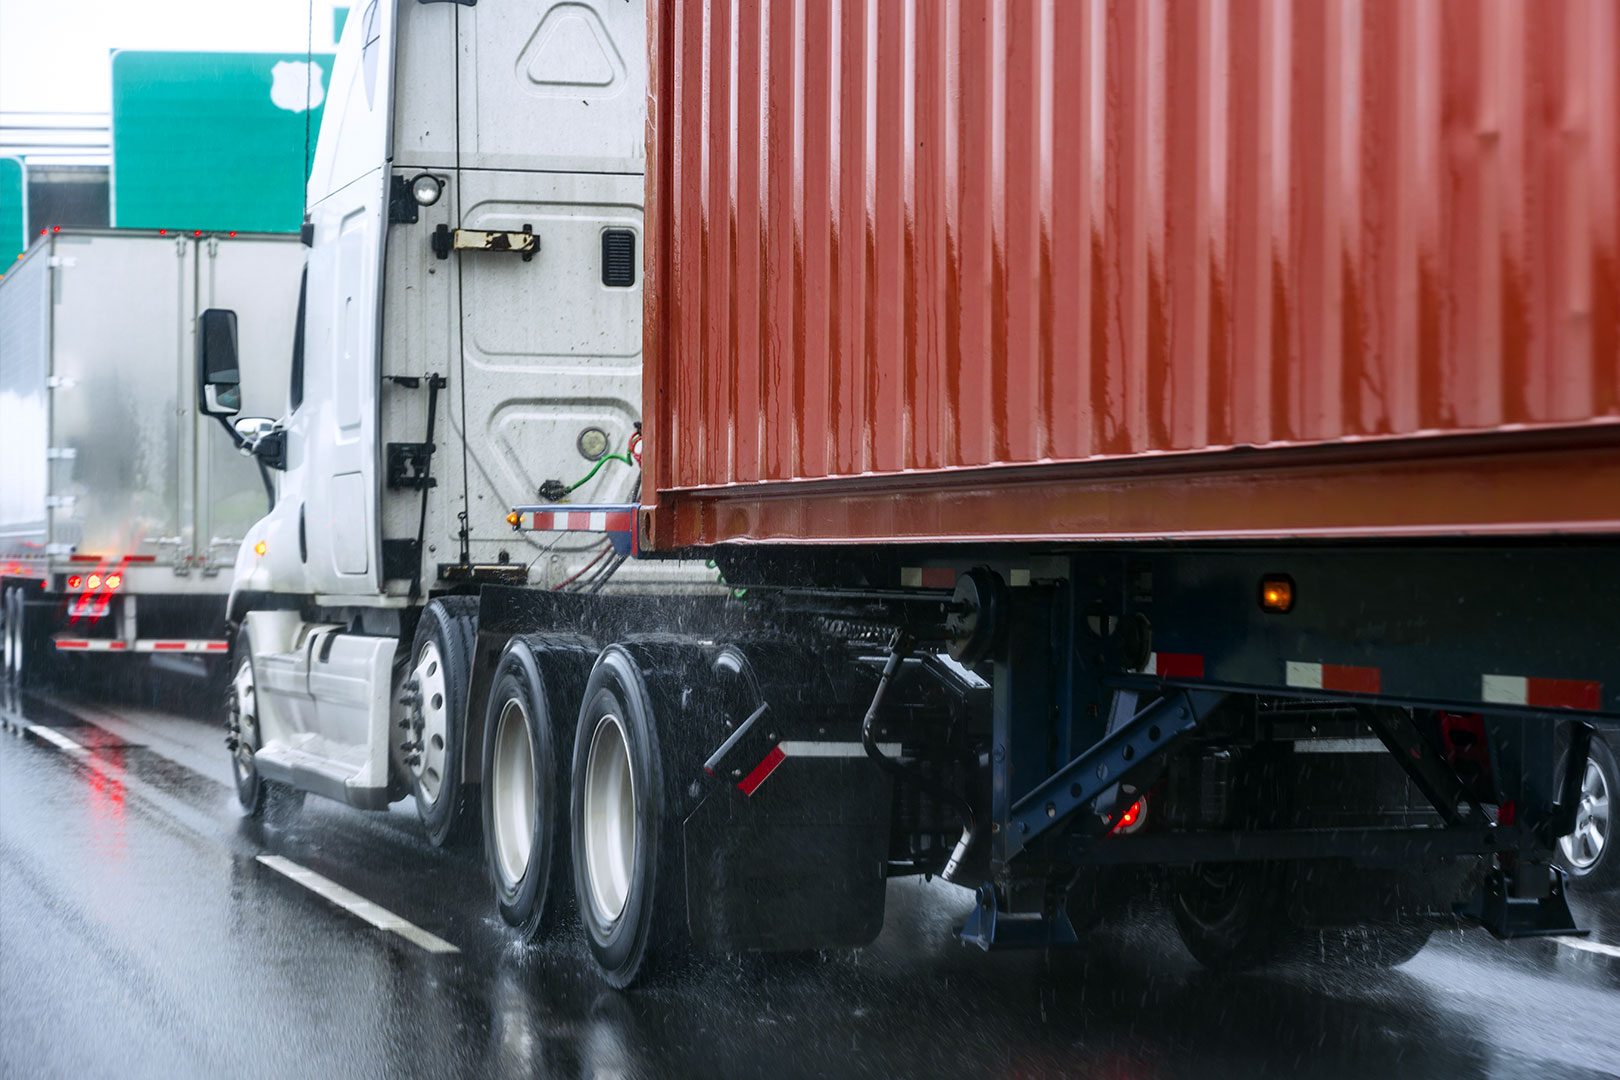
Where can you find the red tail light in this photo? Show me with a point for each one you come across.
(1131, 820)
(94, 581)
(75, 581)
(114, 580)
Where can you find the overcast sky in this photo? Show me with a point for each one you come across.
(53, 53)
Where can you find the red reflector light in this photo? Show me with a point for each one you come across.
(75, 581)
(1130, 820)
(1507, 813)
(196, 232)
(163, 232)
(56, 228)
(233, 232)
(114, 580)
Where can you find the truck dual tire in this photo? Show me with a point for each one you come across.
(628, 876)
(441, 668)
(528, 739)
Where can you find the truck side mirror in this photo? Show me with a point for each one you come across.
(219, 379)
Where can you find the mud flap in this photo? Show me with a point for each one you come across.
(797, 864)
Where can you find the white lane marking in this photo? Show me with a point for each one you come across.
(59, 740)
(354, 904)
(1583, 945)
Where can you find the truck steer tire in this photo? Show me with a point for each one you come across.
(440, 668)
(525, 785)
(261, 798)
(1232, 916)
(1588, 854)
(626, 856)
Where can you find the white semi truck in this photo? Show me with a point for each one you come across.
(122, 505)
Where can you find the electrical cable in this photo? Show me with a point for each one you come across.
(576, 575)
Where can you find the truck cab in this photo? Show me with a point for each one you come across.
(469, 329)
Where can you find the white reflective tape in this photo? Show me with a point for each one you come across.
(598, 521)
(1304, 675)
(1504, 689)
(357, 905)
(1152, 667)
(911, 577)
(1018, 578)
(1338, 746)
(57, 739)
(835, 749)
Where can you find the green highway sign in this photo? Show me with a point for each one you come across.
(13, 211)
(214, 141)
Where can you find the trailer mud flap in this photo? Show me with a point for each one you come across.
(797, 864)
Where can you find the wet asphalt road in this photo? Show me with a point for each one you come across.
(140, 935)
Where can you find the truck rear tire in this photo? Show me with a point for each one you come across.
(525, 785)
(441, 667)
(1232, 916)
(628, 876)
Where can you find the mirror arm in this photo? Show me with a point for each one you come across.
(236, 437)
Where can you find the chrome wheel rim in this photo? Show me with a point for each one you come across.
(610, 819)
(247, 720)
(512, 793)
(434, 711)
(1584, 846)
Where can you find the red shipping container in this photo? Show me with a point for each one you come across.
(957, 270)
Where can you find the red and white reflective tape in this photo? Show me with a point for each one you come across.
(792, 748)
(927, 577)
(1172, 665)
(151, 645)
(1541, 693)
(1346, 678)
(584, 520)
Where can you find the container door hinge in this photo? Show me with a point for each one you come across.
(61, 453)
(61, 382)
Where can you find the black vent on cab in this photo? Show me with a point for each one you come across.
(618, 258)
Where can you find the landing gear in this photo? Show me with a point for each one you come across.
(435, 699)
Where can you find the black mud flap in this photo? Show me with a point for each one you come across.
(797, 863)
(1507, 916)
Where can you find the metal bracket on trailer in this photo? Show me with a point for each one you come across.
(987, 926)
(1112, 760)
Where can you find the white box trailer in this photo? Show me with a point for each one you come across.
(120, 504)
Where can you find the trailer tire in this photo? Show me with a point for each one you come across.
(441, 667)
(1232, 916)
(262, 799)
(1588, 855)
(527, 752)
(628, 876)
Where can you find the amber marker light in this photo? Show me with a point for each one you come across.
(1277, 593)
(513, 518)
(258, 549)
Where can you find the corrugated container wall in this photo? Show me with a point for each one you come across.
(948, 269)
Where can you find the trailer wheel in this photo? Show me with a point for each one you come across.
(526, 846)
(1232, 916)
(436, 701)
(261, 798)
(1370, 947)
(626, 854)
(1588, 854)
